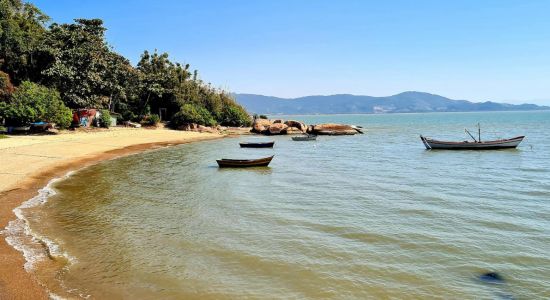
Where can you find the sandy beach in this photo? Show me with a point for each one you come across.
(27, 163)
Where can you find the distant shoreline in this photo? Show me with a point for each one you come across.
(29, 162)
(406, 102)
(409, 113)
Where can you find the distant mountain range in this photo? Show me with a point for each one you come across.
(406, 102)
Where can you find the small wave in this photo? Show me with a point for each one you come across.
(20, 236)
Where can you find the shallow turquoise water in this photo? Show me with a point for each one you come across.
(355, 217)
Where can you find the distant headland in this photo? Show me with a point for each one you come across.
(407, 102)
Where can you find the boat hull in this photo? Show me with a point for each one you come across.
(257, 145)
(304, 138)
(244, 163)
(488, 145)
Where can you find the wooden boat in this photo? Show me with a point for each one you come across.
(257, 145)
(477, 145)
(244, 163)
(309, 137)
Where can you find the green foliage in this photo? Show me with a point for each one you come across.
(2, 136)
(263, 117)
(76, 60)
(152, 120)
(21, 33)
(235, 115)
(104, 118)
(62, 116)
(32, 102)
(193, 113)
(80, 64)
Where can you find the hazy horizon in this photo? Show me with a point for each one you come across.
(478, 51)
(381, 96)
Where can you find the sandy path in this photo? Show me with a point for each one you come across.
(27, 163)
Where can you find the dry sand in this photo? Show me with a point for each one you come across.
(27, 163)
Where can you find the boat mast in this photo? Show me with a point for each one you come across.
(478, 133)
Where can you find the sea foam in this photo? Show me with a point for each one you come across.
(33, 246)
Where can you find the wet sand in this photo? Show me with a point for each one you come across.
(27, 163)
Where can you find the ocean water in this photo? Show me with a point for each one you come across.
(353, 217)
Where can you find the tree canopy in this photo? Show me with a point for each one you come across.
(76, 61)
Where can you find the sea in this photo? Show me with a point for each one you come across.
(369, 216)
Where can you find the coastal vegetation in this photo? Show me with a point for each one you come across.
(48, 69)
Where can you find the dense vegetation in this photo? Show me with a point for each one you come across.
(70, 66)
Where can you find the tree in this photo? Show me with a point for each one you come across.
(159, 82)
(120, 80)
(79, 63)
(21, 33)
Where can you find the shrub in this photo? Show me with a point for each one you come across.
(62, 117)
(193, 113)
(263, 117)
(104, 118)
(235, 115)
(32, 102)
(152, 120)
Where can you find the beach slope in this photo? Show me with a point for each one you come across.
(27, 163)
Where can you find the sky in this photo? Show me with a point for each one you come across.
(490, 50)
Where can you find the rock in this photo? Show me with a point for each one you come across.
(261, 125)
(334, 129)
(492, 277)
(294, 130)
(201, 128)
(301, 126)
(310, 129)
(276, 121)
(278, 128)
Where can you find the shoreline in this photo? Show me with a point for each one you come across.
(15, 281)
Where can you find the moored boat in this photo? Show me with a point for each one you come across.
(309, 137)
(257, 144)
(244, 163)
(477, 144)
(467, 145)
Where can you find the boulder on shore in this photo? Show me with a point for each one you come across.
(201, 128)
(278, 128)
(296, 124)
(334, 129)
(261, 125)
(294, 130)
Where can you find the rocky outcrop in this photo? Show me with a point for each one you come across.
(296, 126)
(334, 129)
(278, 128)
(197, 128)
(293, 130)
(261, 125)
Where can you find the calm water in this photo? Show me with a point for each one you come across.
(366, 216)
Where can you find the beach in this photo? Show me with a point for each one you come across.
(339, 217)
(28, 163)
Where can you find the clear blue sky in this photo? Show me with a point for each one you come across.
(477, 50)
